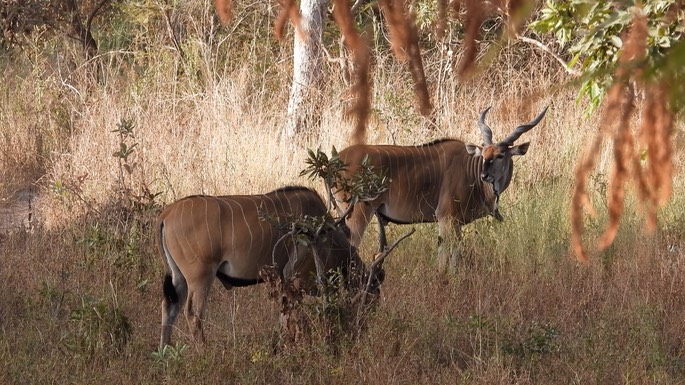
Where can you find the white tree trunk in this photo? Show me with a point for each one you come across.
(307, 70)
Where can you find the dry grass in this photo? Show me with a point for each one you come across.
(519, 309)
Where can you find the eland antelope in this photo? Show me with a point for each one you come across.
(447, 181)
(230, 238)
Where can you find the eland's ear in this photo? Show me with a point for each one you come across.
(521, 149)
(473, 150)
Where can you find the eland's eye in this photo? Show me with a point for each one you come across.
(500, 156)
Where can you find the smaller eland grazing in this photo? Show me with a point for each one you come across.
(227, 237)
(447, 181)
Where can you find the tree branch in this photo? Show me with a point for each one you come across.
(94, 13)
(549, 51)
(378, 261)
(172, 34)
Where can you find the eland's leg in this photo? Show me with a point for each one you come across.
(357, 221)
(175, 294)
(382, 239)
(456, 252)
(449, 244)
(198, 290)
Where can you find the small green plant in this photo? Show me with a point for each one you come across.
(52, 297)
(337, 310)
(145, 199)
(540, 339)
(70, 191)
(365, 185)
(131, 256)
(143, 285)
(95, 240)
(332, 312)
(94, 237)
(97, 327)
(124, 154)
(169, 354)
(125, 130)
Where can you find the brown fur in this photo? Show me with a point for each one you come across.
(224, 8)
(490, 152)
(289, 11)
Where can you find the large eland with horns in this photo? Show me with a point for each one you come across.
(448, 181)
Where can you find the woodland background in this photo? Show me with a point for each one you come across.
(170, 102)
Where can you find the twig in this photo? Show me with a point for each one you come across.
(94, 13)
(172, 35)
(330, 57)
(378, 262)
(344, 214)
(292, 232)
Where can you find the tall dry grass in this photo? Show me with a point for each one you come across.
(81, 293)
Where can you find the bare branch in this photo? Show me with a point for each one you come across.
(319, 267)
(94, 13)
(344, 215)
(172, 34)
(330, 57)
(291, 233)
(378, 262)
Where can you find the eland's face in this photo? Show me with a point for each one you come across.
(497, 167)
(495, 162)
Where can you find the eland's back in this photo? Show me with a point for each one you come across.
(420, 177)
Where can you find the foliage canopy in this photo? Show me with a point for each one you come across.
(591, 32)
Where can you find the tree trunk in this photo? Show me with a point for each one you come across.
(302, 114)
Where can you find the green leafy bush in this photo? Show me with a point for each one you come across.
(591, 32)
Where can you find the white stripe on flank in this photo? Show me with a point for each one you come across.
(209, 231)
(228, 202)
(190, 250)
(247, 226)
